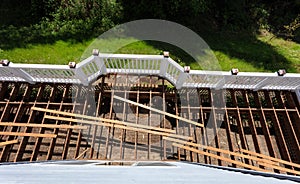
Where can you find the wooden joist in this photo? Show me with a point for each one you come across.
(28, 134)
(260, 161)
(9, 142)
(103, 119)
(118, 126)
(43, 125)
(159, 111)
(220, 157)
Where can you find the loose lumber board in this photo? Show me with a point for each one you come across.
(43, 125)
(103, 119)
(220, 158)
(28, 134)
(260, 161)
(158, 111)
(81, 154)
(9, 142)
(118, 126)
(215, 149)
(269, 158)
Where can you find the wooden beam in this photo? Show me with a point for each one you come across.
(263, 120)
(110, 131)
(38, 141)
(43, 125)
(98, 94)
(103, 119)
(137, 118)
(291, 137)
(159, 111)
(55, 131)
(149, 116)
(202, 115)
(119, 126)
(163, 117)
(240, 127)
(9, 142)
(251, 122)
(270, 158)
(220, 157)
(228, 133)
(278, 129)
(215, 96)
(28, 134)
(4, 155)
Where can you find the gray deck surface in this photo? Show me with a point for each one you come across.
(97, 172)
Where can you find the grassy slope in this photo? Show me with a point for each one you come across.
(290, 50)
(262, 53)
(61, 52)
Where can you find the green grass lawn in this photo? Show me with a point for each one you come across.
(290, 50)
(61, 52)
(257, 53)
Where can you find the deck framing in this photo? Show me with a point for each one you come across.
(262, 122)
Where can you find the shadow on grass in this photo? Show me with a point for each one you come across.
(20, 37)
(176, 53)
(250, 49)
(242, 47)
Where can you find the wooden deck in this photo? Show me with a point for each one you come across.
(81, 122)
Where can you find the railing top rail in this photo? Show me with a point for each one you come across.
(131, 56)
(245, 74)
(38, 66)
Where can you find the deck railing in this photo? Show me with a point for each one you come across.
(89, 69)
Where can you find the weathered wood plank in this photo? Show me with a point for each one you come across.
(9, 142)
(43, 125)
(28, 134)
(220, 158)
(159, 111)
(104, 119)
(270, 158)
(81, 154)
(119, 126)
(266, 163)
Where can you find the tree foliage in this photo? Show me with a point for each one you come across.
(50, 20)
(73, 18)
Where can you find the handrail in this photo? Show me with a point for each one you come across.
(89, 69)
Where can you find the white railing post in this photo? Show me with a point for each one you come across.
(101, 65)
(163, 67)
(181, 79)
(86, 71)
(81, 76)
